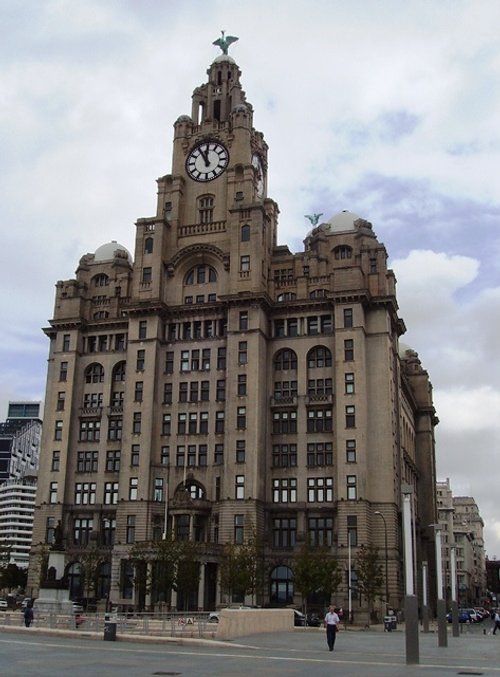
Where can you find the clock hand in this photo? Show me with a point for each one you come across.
(204, 155)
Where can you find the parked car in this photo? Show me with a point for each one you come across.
(474, 616)
(314, 620)
(213, 617)
(299, 618)
(3, 605)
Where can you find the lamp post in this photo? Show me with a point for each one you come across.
(441, 602)
(377, 512)
(411, 602)
(453, 585)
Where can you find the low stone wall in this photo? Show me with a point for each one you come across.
(239, 622)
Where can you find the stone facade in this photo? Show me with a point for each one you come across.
(220, 387)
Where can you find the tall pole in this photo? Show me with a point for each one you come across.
(453, 586)
(349, 565)
(377, 512)
(441, 603)
(425, 598)
(411, 602)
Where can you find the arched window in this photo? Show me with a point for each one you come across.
(318, 294)
(281, 586)
(285, 359)
(286, 296)
(201, 275)
(319, 357)
(94, 373)
(101, 280)
(245, 233)
(103, 580)
(343, 252)
(148, 245)
(119, 371)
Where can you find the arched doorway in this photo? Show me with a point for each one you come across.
(281, 586)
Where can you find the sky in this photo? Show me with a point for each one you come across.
(388, 109)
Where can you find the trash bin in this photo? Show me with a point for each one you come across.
(390, 623)
(109, 628)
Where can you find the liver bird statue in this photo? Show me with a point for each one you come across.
(225, 41)
(313, 218)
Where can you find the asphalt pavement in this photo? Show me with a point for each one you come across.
(27, 652)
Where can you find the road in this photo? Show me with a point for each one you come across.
(295, 654)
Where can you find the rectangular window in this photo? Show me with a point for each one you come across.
(319, 388)
(220, 393)
(241, 418)
(92, 400)
(284, 422)
(87, 461)
(56, 461)
(110, 493)
(193, 391)
(319, 454)
(205, 359)
(141, 360)
(132, 488)
(58, 430)
(221, 358)
(243, 322)
(239, 487)
(350, 451)
(285, 390)
(191, 455)
(117, 397)
(319, 420)
(219, 421)
(292, 326)
(167, 393)
(240, 451)
(113, 460)
(285, 490)
(108, 530)
(348, 317)
(242, 352)
(184, 360)
(143, 329)
(90, 431)
(147, 274)
(242, 385)
(320, 531)
(183, 391)
(165, 455)
(203, 455)
(180, 456)
(349, 350)
(244, 263)
(284, 532)
(166, 424)
(115, 428)
(203, 430)
(195, 360)
(219, 454)
(351, 487)
(349, 383)
(350, 416)
(136, 422)
(352, 530)
(205, 391)
(135, 454)
(320, 489)
(169, 362)
(312, 326)
(158, 490)
(63, 371)
(138, 391)
(239, 530)
(284, 455)
(61, 396)
(130, 535)
(85, 493)
(181, 424)
(65, 343)
(326, 324)
(53, 492)
(50, 530)
(82, 528)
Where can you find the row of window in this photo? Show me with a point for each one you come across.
(284, 421)
(284, 490)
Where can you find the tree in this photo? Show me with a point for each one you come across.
(238, 570)
(370, 576)
(315, 572)
(188, 571)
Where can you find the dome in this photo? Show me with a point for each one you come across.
(224, 57)
(343, 221)
(108, 251)
(240, 108)
(184, 118)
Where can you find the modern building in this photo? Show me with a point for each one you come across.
(20, 438)
(17, 505)
(461, 528)
(217, 387)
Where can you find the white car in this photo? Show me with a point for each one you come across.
(3, 605)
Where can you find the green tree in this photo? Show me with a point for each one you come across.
(369, 573)
(315, 572)
(238, 569)
(188, 571)
(165, 556)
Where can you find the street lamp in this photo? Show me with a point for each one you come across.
(377, 512)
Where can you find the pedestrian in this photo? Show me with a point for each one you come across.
(331, 623)
(497, 621)
(28, 615)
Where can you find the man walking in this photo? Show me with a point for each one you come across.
(497, 621)
(331, 622)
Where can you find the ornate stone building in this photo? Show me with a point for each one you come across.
(219, 387)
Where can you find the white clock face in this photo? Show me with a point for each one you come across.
(207, 161)
(259, 171)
